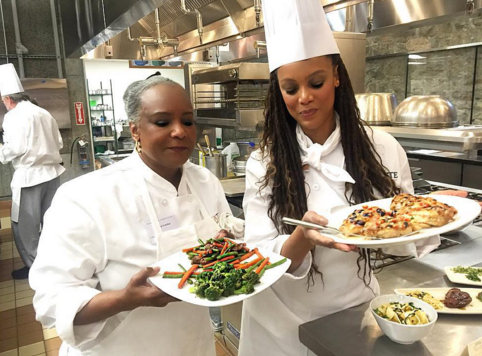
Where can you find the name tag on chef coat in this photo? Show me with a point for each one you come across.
(167, 223)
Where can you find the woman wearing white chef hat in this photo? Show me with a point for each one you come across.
(104, 229)
(316, 157)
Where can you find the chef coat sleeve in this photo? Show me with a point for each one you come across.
(70, 253)
(259, 228)
(14, 138)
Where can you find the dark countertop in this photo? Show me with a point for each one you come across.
(448, 157)
(355, 332)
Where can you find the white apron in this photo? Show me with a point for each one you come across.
(150, 331)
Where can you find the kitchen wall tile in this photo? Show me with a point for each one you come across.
(32, 350)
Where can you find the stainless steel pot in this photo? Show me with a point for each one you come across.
(427, 111)
(376, 108)
(217, 164)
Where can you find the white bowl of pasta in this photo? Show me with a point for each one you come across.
(403, 319)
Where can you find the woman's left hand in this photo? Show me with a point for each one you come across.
(321, 240)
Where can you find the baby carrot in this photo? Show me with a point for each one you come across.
(261, 266)
(249, 264)
(248, 255)
(187, 275)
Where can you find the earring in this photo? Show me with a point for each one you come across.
(138, 146)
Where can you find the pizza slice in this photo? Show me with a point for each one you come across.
(355, 222)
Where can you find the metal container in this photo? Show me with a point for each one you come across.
(426, 111)
(217, 164)
(376, 108)
(240, 164)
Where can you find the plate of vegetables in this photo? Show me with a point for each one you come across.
(464, 275)
(219, 272)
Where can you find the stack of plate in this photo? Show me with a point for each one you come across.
(239, 164)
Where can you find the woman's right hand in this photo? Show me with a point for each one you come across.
(140, 293)
(318, 239)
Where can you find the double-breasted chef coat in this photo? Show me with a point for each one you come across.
(271, 319)
(101, 230)
(32, 143)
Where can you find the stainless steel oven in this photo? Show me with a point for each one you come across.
(230, 96)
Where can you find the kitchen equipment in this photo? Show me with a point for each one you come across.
(231, 95)
(201, 148)
(217, 164)
(246, 148)
(240, 164)
(376, 108)
(425, 111)
(208, 143)
(401, 333)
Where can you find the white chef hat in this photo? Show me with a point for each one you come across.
(9, 81)
(296, 30)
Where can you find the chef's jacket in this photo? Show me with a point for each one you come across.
(98, 234)
(271, 319)
(32, 142)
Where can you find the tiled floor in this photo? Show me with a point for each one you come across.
(20, 334)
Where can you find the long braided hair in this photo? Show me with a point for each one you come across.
(285, 174)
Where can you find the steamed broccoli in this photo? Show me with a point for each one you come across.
(251, 277)
(247, 288)
(213, 293)
(222, 267)
(200, 290)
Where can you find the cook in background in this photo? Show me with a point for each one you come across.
(316, 157)
(32, 142)
(104, 229)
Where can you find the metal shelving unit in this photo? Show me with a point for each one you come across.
(104, 136)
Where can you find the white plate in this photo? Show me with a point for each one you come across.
(460, 277)
(475, 306)
(170, 286)
(467, 209)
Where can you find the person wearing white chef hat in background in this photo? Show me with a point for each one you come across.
(106, 228)
(32, 142)
(315, 158)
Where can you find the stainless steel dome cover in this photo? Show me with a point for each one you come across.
(427, 111)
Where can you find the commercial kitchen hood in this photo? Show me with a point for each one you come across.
(87, 24)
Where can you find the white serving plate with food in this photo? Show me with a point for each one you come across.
(467, 209)
(475, 306)
(460, 278)
(170, 286)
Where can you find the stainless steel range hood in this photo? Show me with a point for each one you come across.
(87, 24)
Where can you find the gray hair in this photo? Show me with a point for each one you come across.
(133, 93)
(18, 97)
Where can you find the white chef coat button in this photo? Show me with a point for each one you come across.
(316, 187)
(189, 199)
(164, 202)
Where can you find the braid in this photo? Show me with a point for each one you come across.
(285, 173)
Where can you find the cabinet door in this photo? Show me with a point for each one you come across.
(472, 176)
(442, 172)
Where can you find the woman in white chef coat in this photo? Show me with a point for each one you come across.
(316, 157)
(103, 230)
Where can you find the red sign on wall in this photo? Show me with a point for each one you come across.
(79, 113)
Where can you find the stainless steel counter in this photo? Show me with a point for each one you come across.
(355, 332)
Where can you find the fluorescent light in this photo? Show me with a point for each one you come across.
(415, 56)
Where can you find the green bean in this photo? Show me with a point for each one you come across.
(173, 275)
(262, 271)
(201, 242)
(254, 266)
(180, 265)
(227, 254)
(276, 264)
